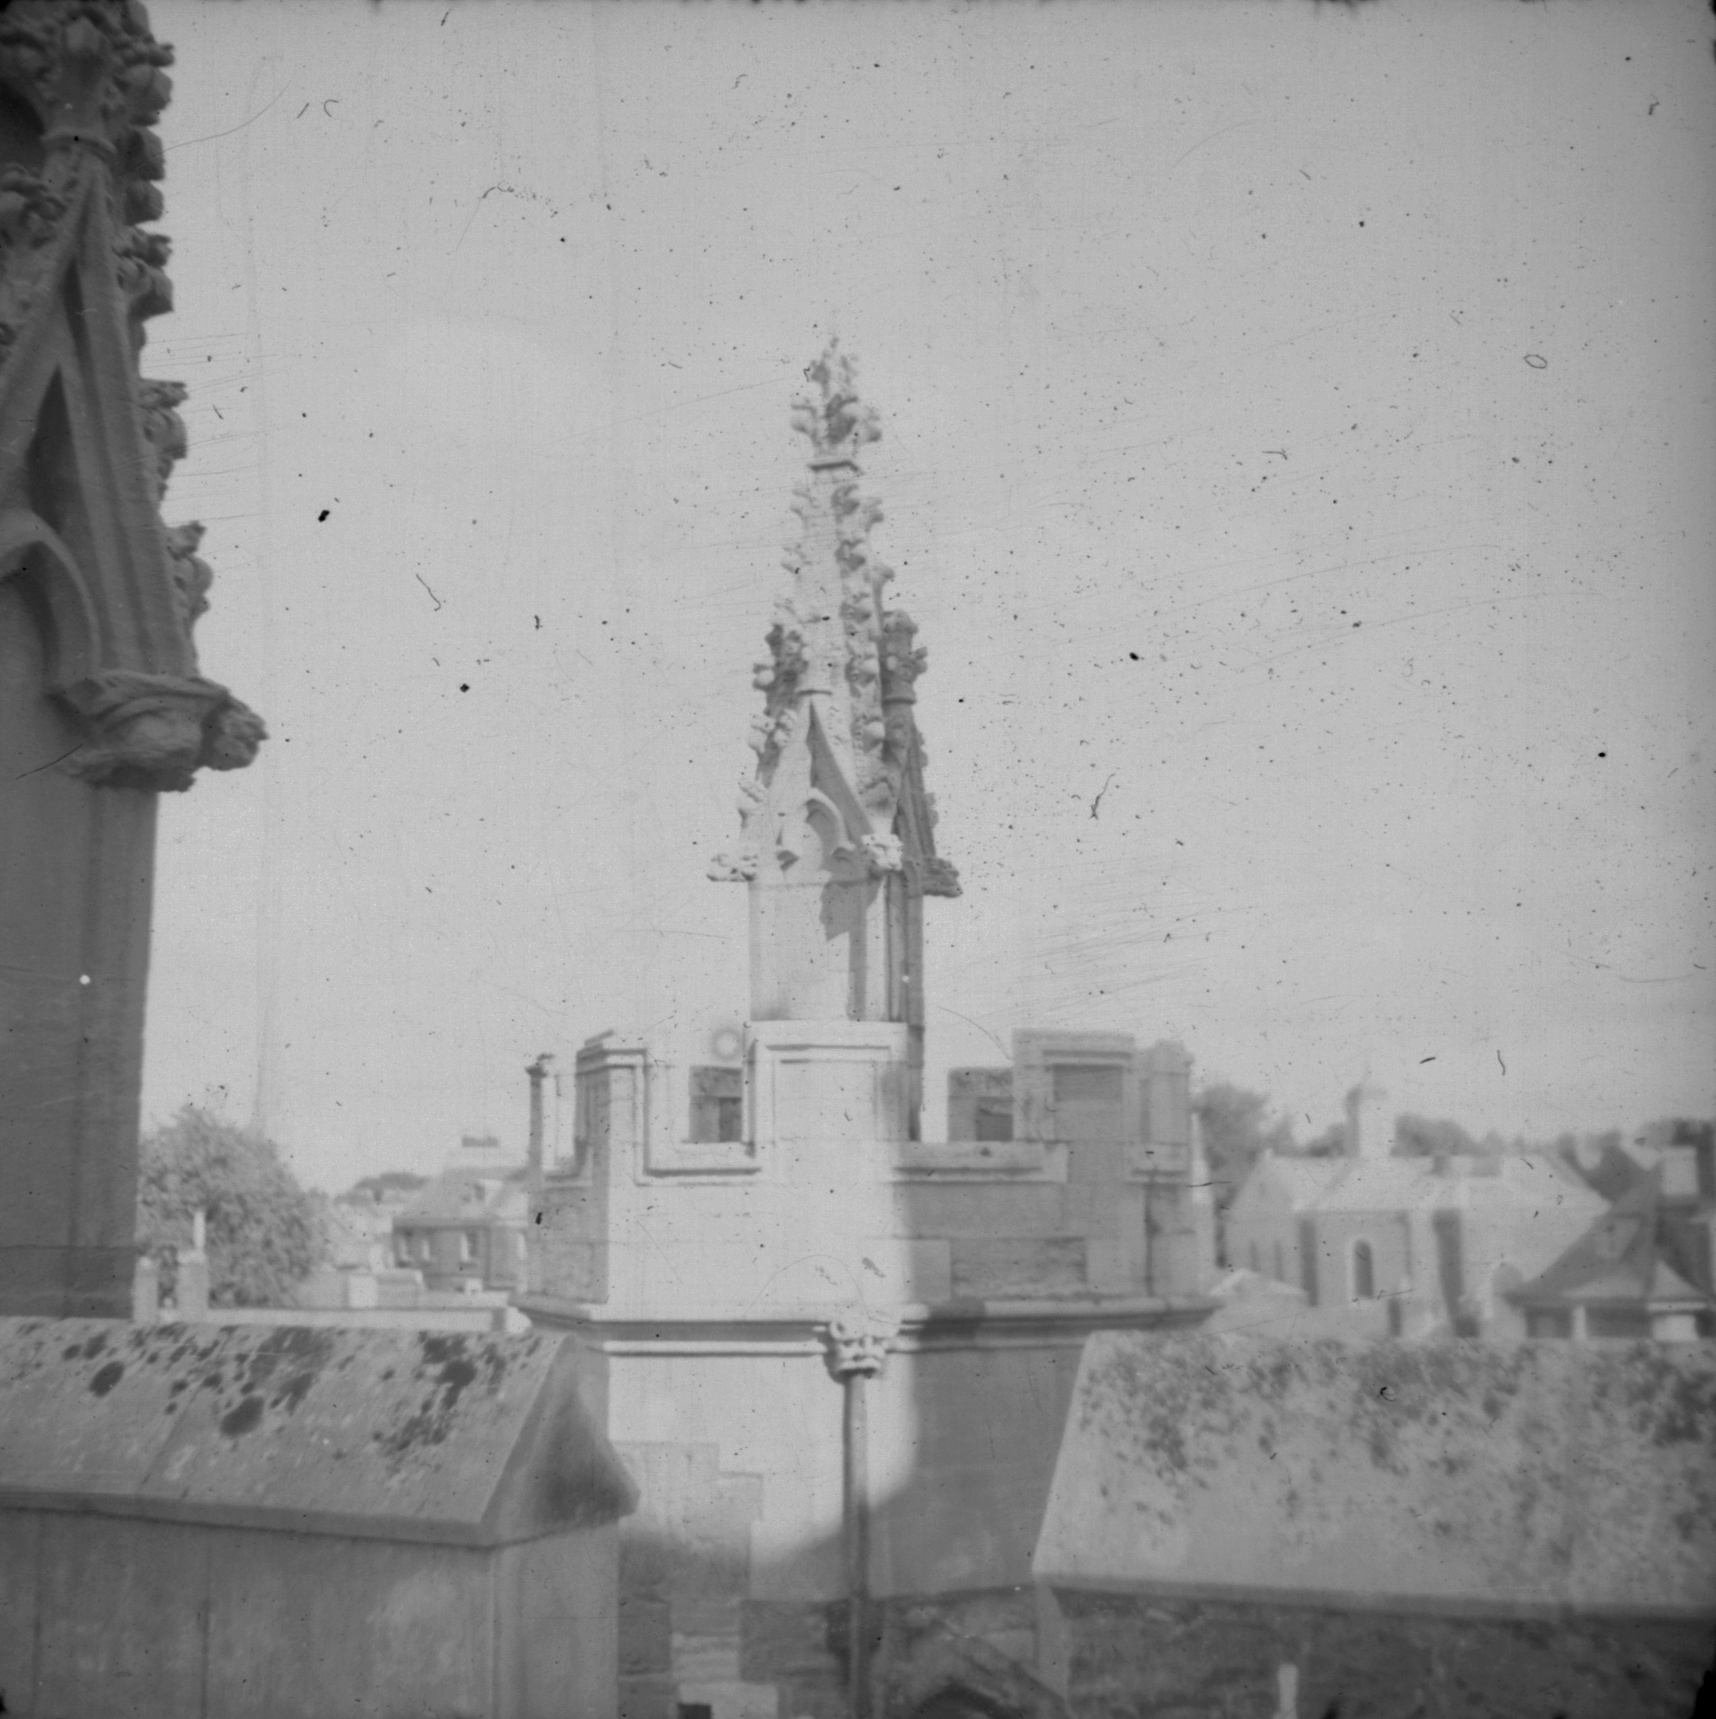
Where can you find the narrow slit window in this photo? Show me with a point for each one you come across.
(717, 1105)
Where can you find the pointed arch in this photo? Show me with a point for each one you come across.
(31, 550)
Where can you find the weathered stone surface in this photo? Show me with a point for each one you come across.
(1468, 1477)
(646, 1636)
(1021, 1267)
(392, 1434)
(648, 1698)
(1134, 1654)
(102, 704)
(134, 1618)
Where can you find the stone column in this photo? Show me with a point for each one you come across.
(858, 1350)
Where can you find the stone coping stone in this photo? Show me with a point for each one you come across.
(1521, 1479)
(464, 1438)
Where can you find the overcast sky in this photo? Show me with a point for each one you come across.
(1298, 444)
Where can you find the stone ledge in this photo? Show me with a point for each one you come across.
(959, 1324)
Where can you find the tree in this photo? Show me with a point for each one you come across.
(1420, 1137)
(265, 1233)
(1235, 1135)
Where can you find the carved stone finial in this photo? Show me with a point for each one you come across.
(164, 429)
(859, 1339)
(902, 660)
(90, 68)
(837, 422)
(192, 576)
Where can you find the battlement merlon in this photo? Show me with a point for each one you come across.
(837, 839)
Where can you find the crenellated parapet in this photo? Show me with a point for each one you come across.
(82, 83)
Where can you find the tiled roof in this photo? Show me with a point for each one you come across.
(1401, 1184)
(1621, 1257)
(466, 1196)
(1301, 1179)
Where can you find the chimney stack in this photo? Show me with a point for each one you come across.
(538, 1072)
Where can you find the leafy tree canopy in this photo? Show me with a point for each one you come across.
(264, 1232)
(1236, 1132)
(1420, 1137)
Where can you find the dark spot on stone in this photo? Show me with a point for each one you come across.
(243, 1419)
(213, 1382)
(294, 1391)
(95, 1345)
(107, 1378)
(455, 1376)
(72, 1353)
(177, 1386)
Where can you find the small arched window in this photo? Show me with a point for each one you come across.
(1364, 1272)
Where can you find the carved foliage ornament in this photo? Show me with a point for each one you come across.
(837, 422)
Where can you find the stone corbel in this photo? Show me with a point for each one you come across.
(859, 1339)
(156, 731)
(734, 867)
(884, 854)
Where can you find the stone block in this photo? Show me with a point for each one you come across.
(929, 1271)
(646, 1636)
(1115, 1266)
(983, 1210)
(648, 1698)
(1019, 1269)
(733, 1700)
(375, 1626)
(645, 1557)
(1104, 1161)
(20, 1558)
(1099, 1209)
(119, 1625)
(792, 1642)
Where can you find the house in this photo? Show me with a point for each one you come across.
(1408, 1245)
(465, 1230)
(1263, 1224)
(1642, 1269)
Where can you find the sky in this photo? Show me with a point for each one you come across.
(1297, 449)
